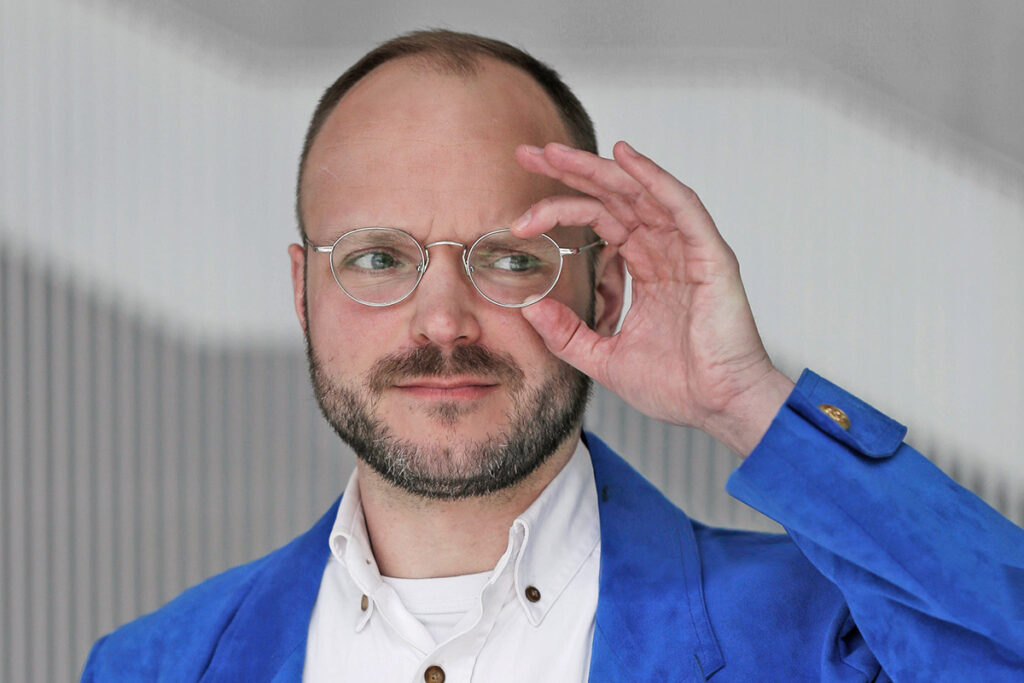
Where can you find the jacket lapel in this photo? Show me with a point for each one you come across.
(266, 639)
(652, 623)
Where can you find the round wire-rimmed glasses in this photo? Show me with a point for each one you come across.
(379, 266)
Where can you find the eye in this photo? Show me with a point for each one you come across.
(372, 260)
(518, 262)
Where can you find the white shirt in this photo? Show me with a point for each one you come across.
(531, 618)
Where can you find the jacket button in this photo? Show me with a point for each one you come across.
(364, 603)
(434, 674)
(837, 415)
(532, 594)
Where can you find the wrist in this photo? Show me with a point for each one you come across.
(746, 418)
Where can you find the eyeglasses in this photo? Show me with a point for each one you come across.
(383, 266)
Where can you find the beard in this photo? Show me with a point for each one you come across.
(539, 420)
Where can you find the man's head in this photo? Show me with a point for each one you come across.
(444, 394)
(459, 54)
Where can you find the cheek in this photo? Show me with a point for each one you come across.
(347, 336)
(508, 332)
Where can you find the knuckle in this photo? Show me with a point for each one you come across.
(543, 206)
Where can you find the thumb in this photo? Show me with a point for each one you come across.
(567, 336)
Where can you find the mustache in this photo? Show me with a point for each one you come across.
(430, 361)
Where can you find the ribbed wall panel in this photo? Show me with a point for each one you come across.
(135, 463)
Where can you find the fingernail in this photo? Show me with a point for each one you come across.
(521, 222)
(629, 149)
(559, 146)
(533, 150)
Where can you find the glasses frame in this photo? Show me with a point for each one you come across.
(466, 254)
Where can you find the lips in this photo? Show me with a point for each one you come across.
(464, 368)
(446, 388)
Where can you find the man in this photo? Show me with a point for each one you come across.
(481, 538)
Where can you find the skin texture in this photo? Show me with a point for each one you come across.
(448, 158)
(433, 154)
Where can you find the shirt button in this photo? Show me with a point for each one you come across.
(532, 594)
(837, 415)
(364, 603)
(434, 674)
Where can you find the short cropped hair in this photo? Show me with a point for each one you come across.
(459, 54)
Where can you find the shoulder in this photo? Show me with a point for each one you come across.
(182, 633)
(260, 604)
(761, 586)
(735, 555)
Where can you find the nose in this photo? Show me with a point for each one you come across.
(445, 301)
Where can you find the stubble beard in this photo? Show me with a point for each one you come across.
(539, 420)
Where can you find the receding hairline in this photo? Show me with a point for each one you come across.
(456, 54)
(465, 68)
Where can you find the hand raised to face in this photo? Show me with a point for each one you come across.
(688, 351)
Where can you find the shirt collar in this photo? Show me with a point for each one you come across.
(559, 530)
(548, 543)
(350, 545)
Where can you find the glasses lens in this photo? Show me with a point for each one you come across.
(513, 271)
(377, 265)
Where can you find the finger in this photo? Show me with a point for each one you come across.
(688, 212)
(655, 196)
(568, 337)
(571, 210)
(624, 194)
(537, 160)
(604, 175)
(584, 179)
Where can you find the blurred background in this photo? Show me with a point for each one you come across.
(865, 161)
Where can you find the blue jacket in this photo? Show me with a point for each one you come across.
(890, 571)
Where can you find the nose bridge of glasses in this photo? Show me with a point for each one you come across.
(449, 243)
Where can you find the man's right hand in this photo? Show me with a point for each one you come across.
(688, 351)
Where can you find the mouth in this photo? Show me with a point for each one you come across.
(446, 388)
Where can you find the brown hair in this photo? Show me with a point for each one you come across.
(459, 54)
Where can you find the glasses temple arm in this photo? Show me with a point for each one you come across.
(316, 247)
(578, 250)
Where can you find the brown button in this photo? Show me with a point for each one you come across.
(837, 415)
(364, 603)
(434, 674)
(532, 594)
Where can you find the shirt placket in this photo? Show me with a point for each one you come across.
(457, 656)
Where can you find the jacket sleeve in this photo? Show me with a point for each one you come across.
(933, 577)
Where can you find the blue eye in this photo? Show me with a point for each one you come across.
(373, 260)
(517, 263)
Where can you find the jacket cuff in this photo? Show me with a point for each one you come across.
(840, 415)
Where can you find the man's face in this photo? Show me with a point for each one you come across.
(444, 394)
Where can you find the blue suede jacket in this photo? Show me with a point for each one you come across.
(890, 571)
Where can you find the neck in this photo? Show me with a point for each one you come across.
(415, 537)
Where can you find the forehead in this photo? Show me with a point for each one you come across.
(412, 147)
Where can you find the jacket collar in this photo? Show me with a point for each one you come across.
(266, 638)
(652, 623)
(651, 616)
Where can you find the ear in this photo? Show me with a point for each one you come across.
(609, 290)
(297, 254)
